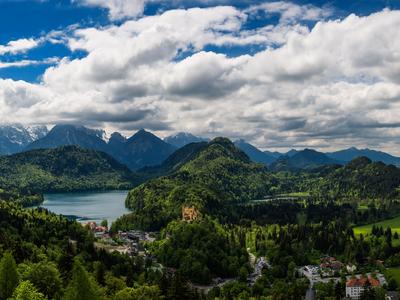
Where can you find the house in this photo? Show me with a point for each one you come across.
(355, 286)
(331, 263)
(101, 229)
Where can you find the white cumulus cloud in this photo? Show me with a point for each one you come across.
(118, 9)
(333, 85)
(18, 46)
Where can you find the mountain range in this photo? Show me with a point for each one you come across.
(140, 150)
(348, 155)
(144, 149)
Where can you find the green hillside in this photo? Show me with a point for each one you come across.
(360, 179)
(67, 168)
(217, 175)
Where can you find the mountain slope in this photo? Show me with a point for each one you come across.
(255, 154)
(182, 139)
(215, 176)
(174, 161)
(305, 159)
(14, 138)
(292, 152)
(67, 135)
(146, 149)
(274, 154)
(67, 168)
(347, 155)
(116, 145)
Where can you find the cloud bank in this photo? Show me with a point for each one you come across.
(332, 85)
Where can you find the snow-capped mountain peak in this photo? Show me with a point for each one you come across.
(181, 139)
(15, 137)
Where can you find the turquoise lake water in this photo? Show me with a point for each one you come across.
(91, 206)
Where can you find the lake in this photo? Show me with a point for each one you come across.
(88, 206)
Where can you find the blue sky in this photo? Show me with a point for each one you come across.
(281, 74)
(40, 17)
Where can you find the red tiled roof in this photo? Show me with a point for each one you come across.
(101, 228)
(362, 282)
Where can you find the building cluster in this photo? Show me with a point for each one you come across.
(124, 242)
(98, 231)
(329, 267)
(355, 286)
(330, 270)
(134, 240)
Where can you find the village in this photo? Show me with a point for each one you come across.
(132, 243)
(129, 242)
(332, 270)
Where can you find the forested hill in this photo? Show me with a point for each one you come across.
(360, 179)
(306, 159)
(216, 175)
(68, 168)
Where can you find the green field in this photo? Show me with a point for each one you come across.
(296, 194)
(392, 223)
(393, 272)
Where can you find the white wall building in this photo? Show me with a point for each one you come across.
(355, 286)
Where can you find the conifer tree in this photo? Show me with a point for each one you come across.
(8, 276)
(27, 291)
(81, 286)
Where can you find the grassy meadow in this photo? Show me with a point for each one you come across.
(394, 224)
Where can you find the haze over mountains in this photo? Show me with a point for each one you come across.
(183, 138)
(347, 155)
(144, 149)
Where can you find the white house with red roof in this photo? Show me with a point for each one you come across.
(355, 286)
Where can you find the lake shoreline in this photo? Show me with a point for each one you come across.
(87, 206)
